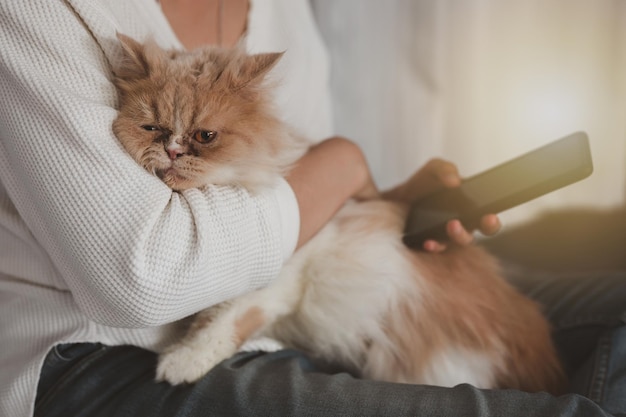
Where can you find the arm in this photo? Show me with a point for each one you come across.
(336, 170)
(324, 179)
(131, 252)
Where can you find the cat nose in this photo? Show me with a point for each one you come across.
(174, 154)
(174, 151)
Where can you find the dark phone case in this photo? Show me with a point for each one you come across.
(553, 166)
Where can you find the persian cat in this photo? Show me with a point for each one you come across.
(354, 295)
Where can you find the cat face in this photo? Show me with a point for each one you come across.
(201, 117)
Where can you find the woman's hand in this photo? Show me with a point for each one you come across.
(434, 175)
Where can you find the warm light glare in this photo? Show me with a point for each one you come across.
(551, 108)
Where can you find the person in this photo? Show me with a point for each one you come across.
(99, 258)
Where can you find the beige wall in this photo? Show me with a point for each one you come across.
(479, 82)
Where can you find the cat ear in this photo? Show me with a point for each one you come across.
(257, 66)
(253, 69)
(138, 60)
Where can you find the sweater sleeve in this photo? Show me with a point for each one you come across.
(132, 252)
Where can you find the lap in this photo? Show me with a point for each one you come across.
(572, 299)
(580, 306)
(96, 380)
(587, 313)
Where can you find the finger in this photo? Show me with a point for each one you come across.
(434, 246)
(490, 225)
(458, 234)
(434, 175)
(446, 173)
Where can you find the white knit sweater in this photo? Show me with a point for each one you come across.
(92, 247)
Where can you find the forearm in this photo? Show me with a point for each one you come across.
(324, 179)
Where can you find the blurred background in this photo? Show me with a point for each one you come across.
(479, 82)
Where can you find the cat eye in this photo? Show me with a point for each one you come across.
(150, 128)
(204, 136)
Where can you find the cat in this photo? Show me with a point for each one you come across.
(354, 295)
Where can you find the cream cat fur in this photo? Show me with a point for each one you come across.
(354, 295)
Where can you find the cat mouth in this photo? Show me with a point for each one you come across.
(170, 175)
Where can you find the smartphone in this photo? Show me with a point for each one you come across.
(555, 165)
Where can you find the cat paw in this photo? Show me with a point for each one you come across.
(187, 364)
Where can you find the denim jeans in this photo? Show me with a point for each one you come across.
(590, 331)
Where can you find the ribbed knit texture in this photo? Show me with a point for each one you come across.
(92, 247)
